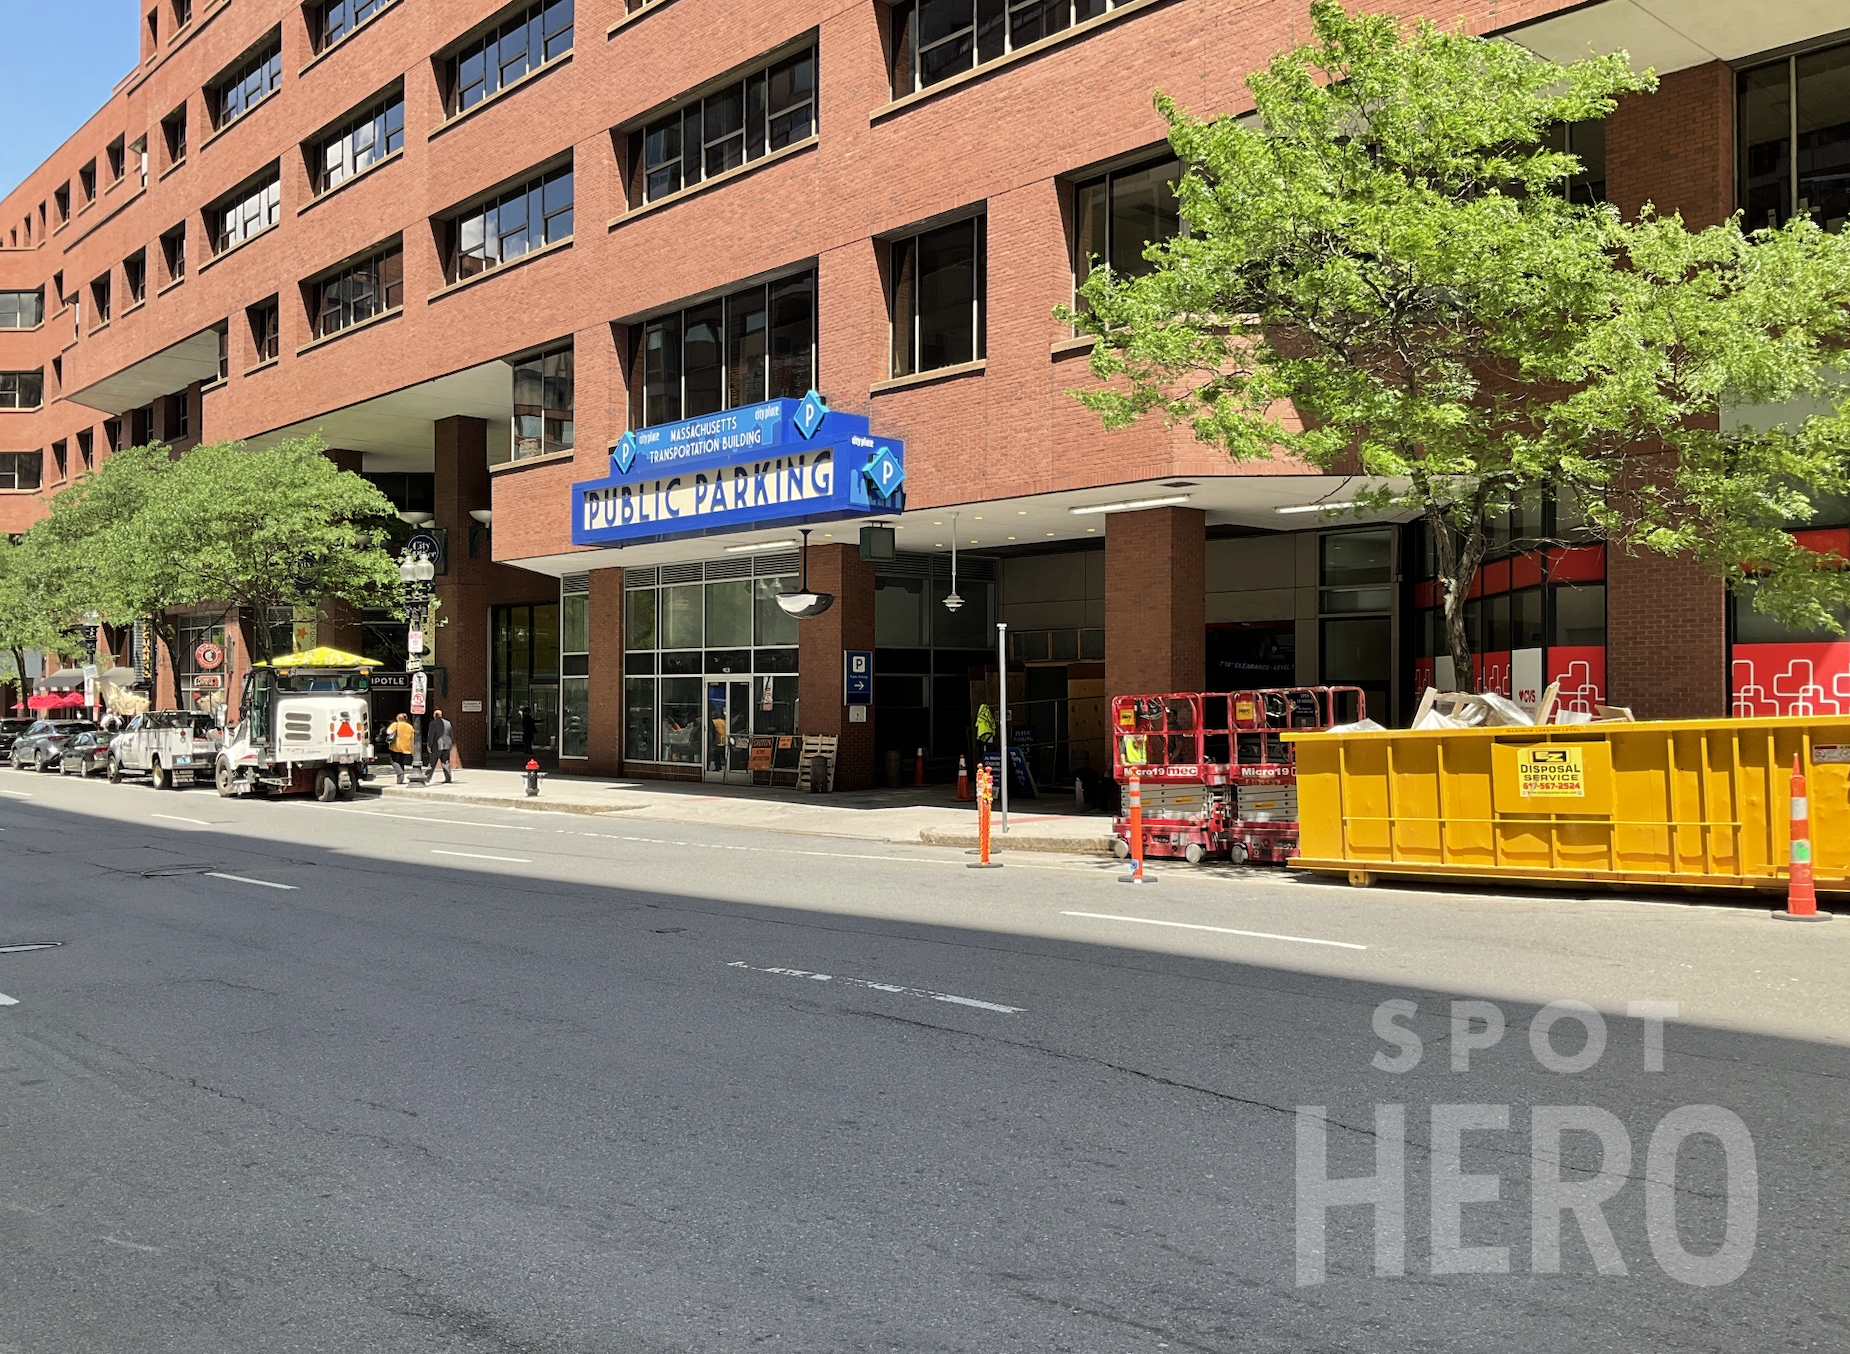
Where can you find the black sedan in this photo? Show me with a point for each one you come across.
(41, 747)
(85, 753)
(10, 729)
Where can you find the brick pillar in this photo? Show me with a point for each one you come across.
(1156, 589)
(1666, 637)
(337, 623)
(849, 624)
(462, 637)
(1675, 149)
(606, 686)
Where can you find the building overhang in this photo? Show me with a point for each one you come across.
(140, 383)
(1001, 526)
(1674, 35)
(398, 432)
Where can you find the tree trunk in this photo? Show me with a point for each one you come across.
(1458, 561)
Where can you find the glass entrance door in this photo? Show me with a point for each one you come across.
(729, 732)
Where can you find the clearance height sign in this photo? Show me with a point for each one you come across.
(777, 464)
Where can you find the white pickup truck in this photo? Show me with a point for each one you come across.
(302, 726)
(169, 747)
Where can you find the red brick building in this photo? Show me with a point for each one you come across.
(474, 244)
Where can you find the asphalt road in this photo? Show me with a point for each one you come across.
(464, 1079)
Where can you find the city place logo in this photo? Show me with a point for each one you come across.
(1554, 1195)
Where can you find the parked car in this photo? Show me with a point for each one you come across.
(85, 753)
(10, 729)
(41, 747)
(169, 747)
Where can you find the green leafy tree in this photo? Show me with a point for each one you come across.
(83, 556)
(276, 526)
(26, 620)
(1383, 275)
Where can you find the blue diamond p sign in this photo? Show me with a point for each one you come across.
(810, 412)
(884, 472)
(625, 455)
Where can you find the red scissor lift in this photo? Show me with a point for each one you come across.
(1216, 778)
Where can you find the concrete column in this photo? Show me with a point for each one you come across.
(849, 624)
(1156, 582)
(462, 637)
(606, 686)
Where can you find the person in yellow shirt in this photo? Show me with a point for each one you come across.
(401, 739)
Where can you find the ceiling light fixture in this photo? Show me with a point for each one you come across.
(1312, 507)
(759, 545)
(952, 601)
(803, 603)
(1129, 505)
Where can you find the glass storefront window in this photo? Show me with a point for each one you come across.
(899, 613)
(575, 623)
(639, 618)
(729, 614)
(1352, 557)
(639, 719)
(682, 616)
(1580, 614)
(575, 668)
(574, 717)
(972, 626)
(524, 678)
(680, 720)
(774, 624)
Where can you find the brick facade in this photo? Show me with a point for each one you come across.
(1156, 575)
(849, 624)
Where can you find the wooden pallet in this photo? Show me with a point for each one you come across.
(818, 745)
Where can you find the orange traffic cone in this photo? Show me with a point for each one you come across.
(963, 778)
(1801, 896)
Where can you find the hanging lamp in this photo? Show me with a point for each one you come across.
(803, 603)
(953, 601)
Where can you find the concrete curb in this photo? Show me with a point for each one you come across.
(500, 802)
(1071, 846)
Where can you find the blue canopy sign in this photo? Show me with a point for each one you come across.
(777, 464)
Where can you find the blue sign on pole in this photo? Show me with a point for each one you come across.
(780, 463)
(857, 677)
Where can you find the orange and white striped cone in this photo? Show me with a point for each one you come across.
(1136, 876)
(985, 792)
(1801, 895)
(963, 779)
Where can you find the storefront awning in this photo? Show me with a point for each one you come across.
(1673, 35)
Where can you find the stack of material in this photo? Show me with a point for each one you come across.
(1464, 710)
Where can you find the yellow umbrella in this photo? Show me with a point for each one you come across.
(322, 657)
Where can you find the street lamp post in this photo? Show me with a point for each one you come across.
(415, 571)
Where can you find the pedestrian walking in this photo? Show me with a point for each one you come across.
(402, 740)
(441, 735)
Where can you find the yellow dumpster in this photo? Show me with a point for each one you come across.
(1672, 802)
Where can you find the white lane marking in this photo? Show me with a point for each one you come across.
(23, 949)
(477, 855)
(881, 987)
(130, 1245)
(6, 1000)
(175, 818)
(16, 794)
(441, 822)
(1222, 930)
(240, 879)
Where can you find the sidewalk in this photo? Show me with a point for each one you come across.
(927, 814)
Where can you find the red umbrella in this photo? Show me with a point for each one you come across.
(56, 700)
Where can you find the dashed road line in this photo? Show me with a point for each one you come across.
(873, 986)
(6, 1000)
(242, 879)
(477, 855)
(1221, 930)
(440, 822)
(175, 818)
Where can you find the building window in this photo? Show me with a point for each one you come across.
(178, 418)
(173, 132)
(154, 31)
(757, 344)
(254, 80)
(117, 152)
(519, 45)
(249, 211)
(62, 197)
(173, 252)
(933, 40)
(1121, 214)
(938, 298)
(86, 180)
(22, 309)
(100, 298)
(543, 395)
(575, 667)
(1799, 101)
(335, 19)
(138, 160)
(366, 140)
(86, 448)
(359, 291)
(1587, 140)
(22, 389)
(223, 332)
(524, 678)
(769, 109)
(135, 277)
(61, 458)
(21, 469)
(266, 329)
(503, 228)
(182, 14)
(112, 433)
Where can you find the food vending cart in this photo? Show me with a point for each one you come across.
(1217, 779)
